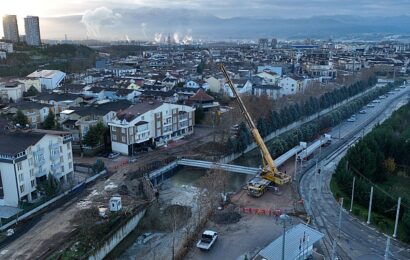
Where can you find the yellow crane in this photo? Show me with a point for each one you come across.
(257, 186)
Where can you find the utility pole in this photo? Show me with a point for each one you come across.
(351, 201)
(397, 217)
(340, 217)
(296, 167)
(284, 219)
(315, 186)
(387, 251)
(370, 206)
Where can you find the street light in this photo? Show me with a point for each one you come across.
(284, 218)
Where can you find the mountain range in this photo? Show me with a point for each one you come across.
(151, 23)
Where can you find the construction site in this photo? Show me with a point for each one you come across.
(190, 185)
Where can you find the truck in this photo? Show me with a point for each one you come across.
(269, 171)
(208, 238)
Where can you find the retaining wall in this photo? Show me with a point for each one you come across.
(117, 237)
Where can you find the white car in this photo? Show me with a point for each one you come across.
(352, 119)
(208, 238)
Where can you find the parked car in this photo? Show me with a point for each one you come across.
(132, 160)
(352, 119)
(208, 238)
(370, 105)
(362, 112)
(113, 155)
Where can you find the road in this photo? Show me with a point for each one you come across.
(357, 239)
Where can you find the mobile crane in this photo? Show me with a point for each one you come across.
(259, 184)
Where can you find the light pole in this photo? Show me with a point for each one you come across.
(370, 206)
(285, 218)
(397, 217)
(351, 201)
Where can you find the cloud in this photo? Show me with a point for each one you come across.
(95, 19)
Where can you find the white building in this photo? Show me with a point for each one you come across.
(11, 90)
(242, 86)
(49, 79)
(7, 47)
(150, 124)
(288, 86)
(26, 158)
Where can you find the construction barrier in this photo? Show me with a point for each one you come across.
(262, 212)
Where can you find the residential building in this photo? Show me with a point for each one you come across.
(7, 47)
(11, 90)
(36, 113)
(78, 120)
(10, 28)
(60, 101)
(271, 91)
(243, 87)
(214, 84)
(32, 26)
(27, 158)
(150, 124)
(49, 79)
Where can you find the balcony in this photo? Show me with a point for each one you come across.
(41, 172)
(55, 167)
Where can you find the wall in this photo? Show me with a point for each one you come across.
(117, 237)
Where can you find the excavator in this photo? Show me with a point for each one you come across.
(258, 185)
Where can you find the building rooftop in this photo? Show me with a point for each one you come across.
(298, 237)
(44, 74)
(12, 143)
(138, 109)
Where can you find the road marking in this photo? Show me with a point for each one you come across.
(4, 252)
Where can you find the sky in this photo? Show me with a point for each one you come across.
(224, 8)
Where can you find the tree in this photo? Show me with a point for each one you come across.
(49, 122)
(95, 135)
(32, 91)
(21, 119)
(199, 114)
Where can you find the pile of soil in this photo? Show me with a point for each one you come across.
(211, 148)
(226, 217)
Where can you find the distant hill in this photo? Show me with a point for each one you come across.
(144, 23)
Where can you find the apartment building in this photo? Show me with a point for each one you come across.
(10, 28)
(32, 26)
(150, 124)
(28, 157)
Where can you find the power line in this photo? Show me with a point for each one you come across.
(379, 188)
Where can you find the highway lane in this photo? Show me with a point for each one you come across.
(357, 240)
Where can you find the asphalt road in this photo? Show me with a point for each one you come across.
(357, 239)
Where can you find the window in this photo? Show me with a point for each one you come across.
(69, 145)
(123, 139)
(21, 188)
(30, 161)
(114, 138)
(19, 166)
(142, 118)
(31, 173)
(123, 130)
(33, 183)
(21, 177)
(69, 156)
(62, 168)
(113, 128)
(61, 149)
(70, 165)
(61, 159)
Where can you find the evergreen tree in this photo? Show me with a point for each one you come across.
(49, 122)
(21, 119)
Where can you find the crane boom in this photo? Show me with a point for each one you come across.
(270, 172)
